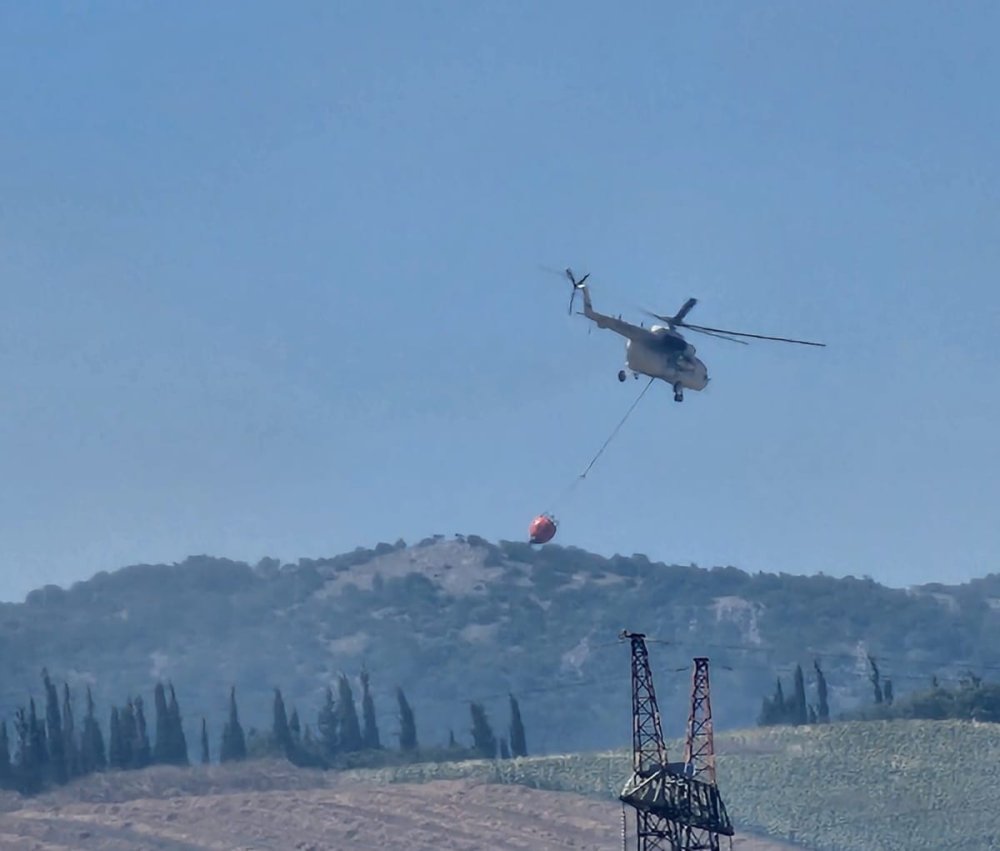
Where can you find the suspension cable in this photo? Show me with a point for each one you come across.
(617, 428)
(576, 481)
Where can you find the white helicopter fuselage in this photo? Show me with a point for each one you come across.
(673, 360)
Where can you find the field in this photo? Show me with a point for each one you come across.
(271, 806)
(892, 786)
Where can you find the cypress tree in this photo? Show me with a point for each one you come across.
(141, 753)
(162, 749)
(205, 756)
(116, 747)
(6, 770)
(71, 746)
(350, 729)
(451, 739)
(766, 716)
(780, 707)
(234, 744)
(887, 691)
(800, 714)
(504, 750)
(39, 743)
(407, 723)
(326, 722)
(812, 715)
(22, 749)
(128, 734)
(775, 709)
(53, 723)
(279, 725)
(823, 709)
(28, 768)
(518, 745)
(178, 741)
(874, 677)
(483, 739)
(370, 737)
(92, 753)
(295, 728)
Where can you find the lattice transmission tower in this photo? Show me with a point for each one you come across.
(654, 832)
(699, 751)
(669, 802)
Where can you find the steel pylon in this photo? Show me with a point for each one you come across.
(673, 807)
(699, 749)
(649, 753)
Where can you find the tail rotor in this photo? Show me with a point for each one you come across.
(576, 286)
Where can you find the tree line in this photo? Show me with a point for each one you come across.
(48, 750)
(796, 709)
(970, 699)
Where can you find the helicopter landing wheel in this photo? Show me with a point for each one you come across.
(678, 393)
(621, 375)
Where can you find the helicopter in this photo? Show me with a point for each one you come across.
(661, 351)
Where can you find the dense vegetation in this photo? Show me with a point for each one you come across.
(457, 620)
(47, 749)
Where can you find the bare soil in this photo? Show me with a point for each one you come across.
(225, 810)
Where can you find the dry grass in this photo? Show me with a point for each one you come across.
(273, 806)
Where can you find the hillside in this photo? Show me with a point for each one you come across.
(451, 620)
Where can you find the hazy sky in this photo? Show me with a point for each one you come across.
(270, 278)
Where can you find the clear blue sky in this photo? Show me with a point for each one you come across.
(270, 280)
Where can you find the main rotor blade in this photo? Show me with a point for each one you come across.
(745, 334)
(714, 334)
(679, 317)
(656, 315)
